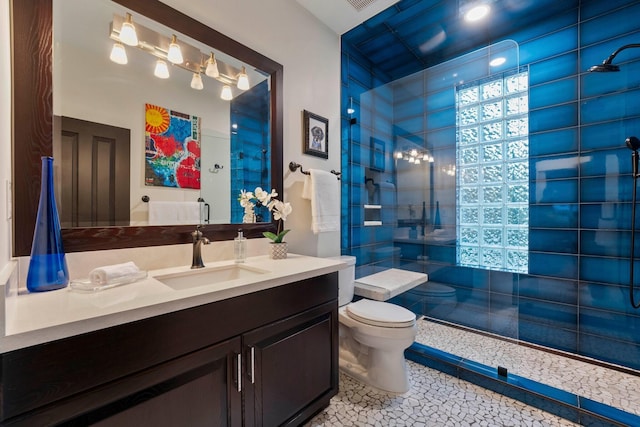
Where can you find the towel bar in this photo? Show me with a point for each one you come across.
(293, 166)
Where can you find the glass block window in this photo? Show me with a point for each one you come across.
(492, 156)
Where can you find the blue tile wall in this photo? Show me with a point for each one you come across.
(575, 297)
(250, 167)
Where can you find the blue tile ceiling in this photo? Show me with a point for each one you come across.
(415, 34)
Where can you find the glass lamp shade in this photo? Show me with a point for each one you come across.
(128, 32)
(196, 82)
(243, 80)
(47, 265)
(161, 71)
(118, 54)
(212, 68)
(226, 93)
(175, 53)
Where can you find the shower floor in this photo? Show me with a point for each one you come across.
(604, 385)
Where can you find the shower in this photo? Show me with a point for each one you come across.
(606, 65)
(633, 144)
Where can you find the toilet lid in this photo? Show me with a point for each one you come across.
(378, 313)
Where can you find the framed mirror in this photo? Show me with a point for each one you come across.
(37, 118)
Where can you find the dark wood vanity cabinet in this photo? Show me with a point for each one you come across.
(268, 358)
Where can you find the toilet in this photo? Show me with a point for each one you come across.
(374, 334)
(434, 299)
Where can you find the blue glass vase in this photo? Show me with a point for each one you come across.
(48, 266)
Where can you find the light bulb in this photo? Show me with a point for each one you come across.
(414, 153)
(412, 159)
(128, 32)
(425, 157)
(212, 67)
(243, 80)
(196, 82)
(476, 13)
(118, 54)
(174, 54)
(399, 155)
(226, 93)
(161, 71)
(496, 62)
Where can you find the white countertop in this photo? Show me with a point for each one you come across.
(36, 318)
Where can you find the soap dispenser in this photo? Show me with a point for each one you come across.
(240, 247)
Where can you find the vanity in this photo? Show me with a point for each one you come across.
(251, 350)
(260, 349)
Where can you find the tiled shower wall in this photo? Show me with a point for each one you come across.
(575, 297)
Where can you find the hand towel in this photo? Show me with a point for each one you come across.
(174, 213)
(110, 273)
(323, 189)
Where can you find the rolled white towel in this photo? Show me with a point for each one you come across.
(110, 273)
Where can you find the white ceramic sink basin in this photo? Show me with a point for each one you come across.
(210, 276)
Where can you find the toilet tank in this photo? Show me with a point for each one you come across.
(346, 278)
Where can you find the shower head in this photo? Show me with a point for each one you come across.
(606, 65)
(604, 68)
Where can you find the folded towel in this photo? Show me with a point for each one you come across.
(174, 213)
(323, 189)
(111, 273)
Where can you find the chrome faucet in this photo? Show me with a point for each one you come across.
(198, 241)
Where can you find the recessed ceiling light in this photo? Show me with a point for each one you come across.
(496, 62)
(476, 13)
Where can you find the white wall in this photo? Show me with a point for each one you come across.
(280, 29)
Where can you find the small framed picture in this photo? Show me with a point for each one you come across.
(316, 135)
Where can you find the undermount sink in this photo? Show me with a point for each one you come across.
(210, 276)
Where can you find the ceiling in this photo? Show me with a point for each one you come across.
(412, 35)
(343, 15)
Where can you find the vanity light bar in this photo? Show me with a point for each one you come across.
(158, 45)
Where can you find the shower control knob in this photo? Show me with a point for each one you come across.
(633, 143)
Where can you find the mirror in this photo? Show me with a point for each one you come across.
(34, 112)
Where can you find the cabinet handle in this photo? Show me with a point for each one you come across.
(239, 372)
(253, 364)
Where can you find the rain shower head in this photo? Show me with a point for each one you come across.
(604, 68)
(606, 65)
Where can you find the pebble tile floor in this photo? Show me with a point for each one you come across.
(611, 387)
(435, 400)
(438, 399)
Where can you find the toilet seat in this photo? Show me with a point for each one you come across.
(435, 290)
(382, 314)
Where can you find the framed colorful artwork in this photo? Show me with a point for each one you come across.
(172, 148)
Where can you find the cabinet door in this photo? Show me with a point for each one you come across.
(291, 367)
(199, 389)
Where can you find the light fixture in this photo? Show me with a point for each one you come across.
(243, 79)
(212, 67)
(350, 110)
(414, 155)
(174, 54)
(226, 93)
(161, 71)
(128, 32)
(196, 82)
(477, 12)
(118, 54)
(496, 62)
